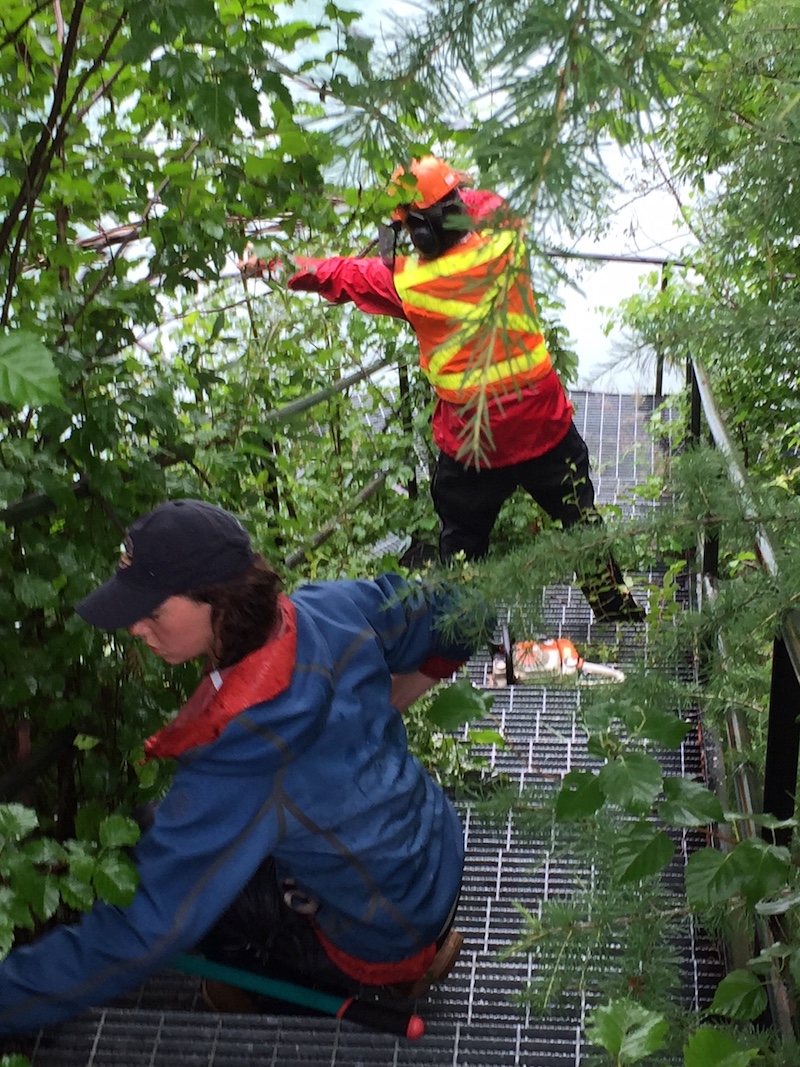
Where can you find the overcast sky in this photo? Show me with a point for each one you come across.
(642, 228)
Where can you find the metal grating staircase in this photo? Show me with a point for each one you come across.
(472, 1020)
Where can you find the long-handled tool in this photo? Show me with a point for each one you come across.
(375, 1016)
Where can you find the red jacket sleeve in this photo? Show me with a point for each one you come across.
(367, 282)
(440, 666)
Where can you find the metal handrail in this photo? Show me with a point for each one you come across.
(783, 740)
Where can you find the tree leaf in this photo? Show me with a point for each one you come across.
(117, 831)
(487, 737)
(640, 851)
(115, 879)
(85, 742)
(712, 877)
(7, 943)
(580, 795)
(767, 958)
(75, 892)
(708, 1047)
(15, 909)
(664, 727)
(28, 376)
(458, 704)
(81, 859)
(632, 781)
(34, 591)
(740, 995)
(627, 1031)
(779, 905)
(44, 850)
(764, 868)
(689, 803)
(40, 891)
(16, 822)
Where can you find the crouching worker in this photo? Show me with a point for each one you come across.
(299, 838)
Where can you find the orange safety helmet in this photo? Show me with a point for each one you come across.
(434, 181)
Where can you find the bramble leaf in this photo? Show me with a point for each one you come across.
(458, 704)
(627, 1031)
(740, 995)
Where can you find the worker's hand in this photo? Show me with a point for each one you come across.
(271, 270)
(406, 688)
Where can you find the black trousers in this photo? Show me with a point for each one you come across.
(468, 500)
(264, 932)
(261, 933)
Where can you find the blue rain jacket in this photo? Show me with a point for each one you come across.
(317, 775)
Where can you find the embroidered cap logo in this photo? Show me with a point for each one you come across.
(126, 559)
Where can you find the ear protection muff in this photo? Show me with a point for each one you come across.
(426, 231)
(435, 229)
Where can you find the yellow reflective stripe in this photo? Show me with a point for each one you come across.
(455, 307)
(451, 308)
(456, 261)
(495, 372)
(462, 338)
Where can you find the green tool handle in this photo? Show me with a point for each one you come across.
(374, 1016)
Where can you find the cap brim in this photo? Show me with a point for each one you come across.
(117, 604)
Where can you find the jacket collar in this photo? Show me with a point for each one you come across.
(222, 695)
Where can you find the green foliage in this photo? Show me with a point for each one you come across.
(627, 1031)
(142, 146)
(458, 704)
(726, 149)
(42, 879)
(454, 761)
(28, 376)
(740, 995)
(579, 946)
(708, 1047)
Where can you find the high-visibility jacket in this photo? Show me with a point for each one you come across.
(523, 424)
(474, 314)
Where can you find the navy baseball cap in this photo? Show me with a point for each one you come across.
(179, 546)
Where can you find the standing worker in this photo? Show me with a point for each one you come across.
(299, 838)
(468, 297)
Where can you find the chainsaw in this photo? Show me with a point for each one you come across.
(532, 662)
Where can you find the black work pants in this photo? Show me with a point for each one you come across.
(268, 930)
(261, 933)
(468, 500)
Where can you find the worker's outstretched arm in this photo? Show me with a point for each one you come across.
(367, 282)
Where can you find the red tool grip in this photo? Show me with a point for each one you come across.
(379, 1017)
